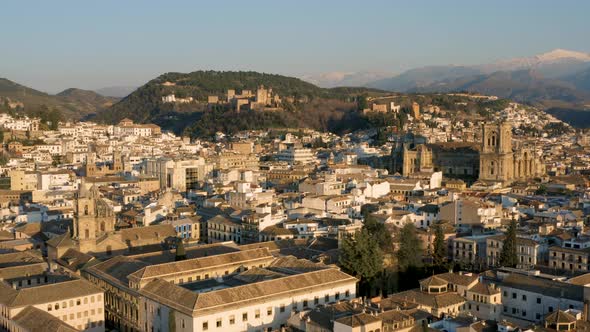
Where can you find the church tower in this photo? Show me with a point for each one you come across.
(92, 218)
(117, 162)
(496, 158)
(90, 168)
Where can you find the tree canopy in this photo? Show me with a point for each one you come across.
(410, 249)
(379, 233)
(360, 255)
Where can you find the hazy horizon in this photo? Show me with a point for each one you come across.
(53, 46)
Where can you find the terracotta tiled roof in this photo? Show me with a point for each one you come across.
(36, 320)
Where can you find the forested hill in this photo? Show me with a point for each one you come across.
(303, 104)
(71, 103)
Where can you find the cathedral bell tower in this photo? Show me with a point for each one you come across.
(496, 156)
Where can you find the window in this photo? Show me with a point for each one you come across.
(232, 320)
(539, 300)
(205, 326)
(337, 296)
(245, 317)
(49, 308)
(257, 313)
(513, 295)
(327, 298)
(550, 309)
(282, 308)
(523, 313)
(537, 316)
(347, 294)
(523, 297)
(218, 323)
(316, 300)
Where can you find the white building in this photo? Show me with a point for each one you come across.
(295, 155)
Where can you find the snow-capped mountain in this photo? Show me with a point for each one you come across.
(558, 62)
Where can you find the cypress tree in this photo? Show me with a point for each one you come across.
(508, 257)
(439, 252)
(180, 252)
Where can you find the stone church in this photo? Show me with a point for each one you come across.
(91, 168)
(501, 161)
(93, 218)
(94, 231)
(497, 159)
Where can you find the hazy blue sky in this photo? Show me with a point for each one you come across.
(52, 45)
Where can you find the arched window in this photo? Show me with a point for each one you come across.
(86, 210)
(494, 140)
(492, 168)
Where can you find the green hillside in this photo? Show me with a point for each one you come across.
(72, 103)
(310, 106)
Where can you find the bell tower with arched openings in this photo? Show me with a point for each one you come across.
(496, 159)
(92, 218)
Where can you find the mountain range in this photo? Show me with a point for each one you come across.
(556, 78)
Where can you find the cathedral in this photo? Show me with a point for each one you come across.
(501, 161)
(497, 159)
(93, 170)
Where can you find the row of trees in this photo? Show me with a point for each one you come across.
(363, 255)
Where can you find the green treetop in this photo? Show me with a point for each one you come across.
(410, 249)
(361, 256)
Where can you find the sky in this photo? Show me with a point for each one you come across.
(54, 45)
